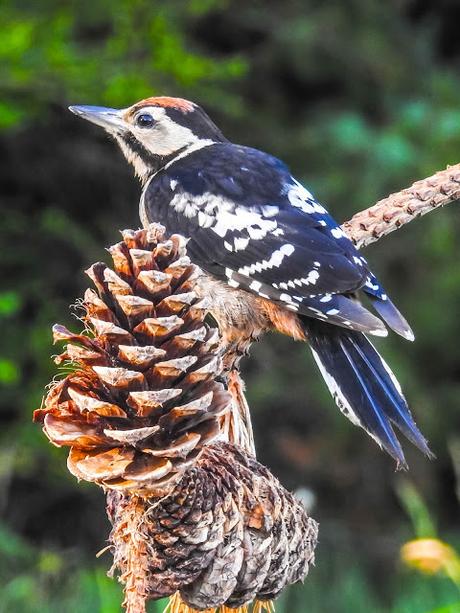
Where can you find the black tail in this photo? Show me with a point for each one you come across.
(363, 386)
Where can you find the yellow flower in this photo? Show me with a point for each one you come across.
(431, 556)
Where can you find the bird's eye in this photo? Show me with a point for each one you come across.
(145, 120)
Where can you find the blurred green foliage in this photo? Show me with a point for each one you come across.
(101, 50)
(360, 98)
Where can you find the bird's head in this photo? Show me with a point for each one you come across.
(154, 131)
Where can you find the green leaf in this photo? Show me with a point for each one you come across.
(10, 302)
(424, 526)
(9, 372)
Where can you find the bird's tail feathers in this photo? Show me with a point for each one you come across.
(392, 317)
(363, 386)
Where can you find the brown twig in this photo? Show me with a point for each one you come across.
(400, 208)
(130, 546)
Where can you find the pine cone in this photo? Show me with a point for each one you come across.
(228, 533)
(143, 400)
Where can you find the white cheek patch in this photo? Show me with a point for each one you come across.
(165, 136)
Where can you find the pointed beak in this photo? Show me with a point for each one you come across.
(109, 119)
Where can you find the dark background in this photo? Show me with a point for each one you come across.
(361, 98)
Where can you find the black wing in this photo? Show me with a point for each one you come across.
(252, 224)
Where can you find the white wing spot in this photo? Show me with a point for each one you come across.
(241, 243)
(337, 233)
(256, 233)
(311, 278)
(302, 199)
(204, 220)
(379, 332)
(287, 249)
(231, 217)
(270, 210)
(275, 259)
(370, 285)
(319, 208)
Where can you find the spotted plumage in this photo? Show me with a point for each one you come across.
(258, 232)
(253, 225)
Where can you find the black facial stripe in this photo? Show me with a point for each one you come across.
(152, 161)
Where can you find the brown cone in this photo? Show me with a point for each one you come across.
(229, 533)
(142, 401)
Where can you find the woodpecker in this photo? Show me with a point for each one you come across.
(273, 256)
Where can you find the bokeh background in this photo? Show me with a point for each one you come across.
(360, 98)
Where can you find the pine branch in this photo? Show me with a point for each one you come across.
(400, 208)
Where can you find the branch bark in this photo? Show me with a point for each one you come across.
(400, 208)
